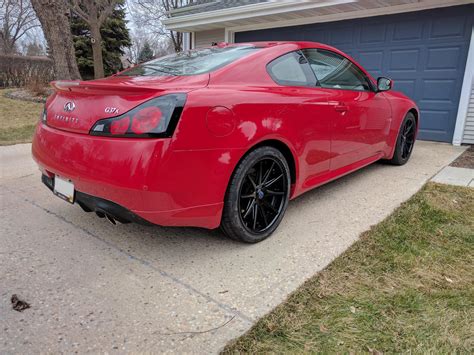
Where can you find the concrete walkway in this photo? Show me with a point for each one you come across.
(455, 176)
(95, 287)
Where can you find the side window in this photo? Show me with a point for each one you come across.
(334, 71)
(291, 69)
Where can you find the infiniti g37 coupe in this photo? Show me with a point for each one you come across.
(221, 136)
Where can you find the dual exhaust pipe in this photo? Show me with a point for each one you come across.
(107, 216)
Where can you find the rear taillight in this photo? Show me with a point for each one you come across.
(44, 116)
(155, 118)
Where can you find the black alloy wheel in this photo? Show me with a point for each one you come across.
(262, 195)
(257, 196)
(405, 140)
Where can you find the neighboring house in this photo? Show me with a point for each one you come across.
(426, 46)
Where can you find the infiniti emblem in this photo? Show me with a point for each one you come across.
(69, 106)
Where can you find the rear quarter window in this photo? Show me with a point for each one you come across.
(291, 69)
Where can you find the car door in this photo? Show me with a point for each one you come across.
(362, 121)
(307, 111)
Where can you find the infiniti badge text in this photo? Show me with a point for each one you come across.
(66, 118)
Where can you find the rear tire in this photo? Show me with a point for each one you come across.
(257, 196)
(405, 141)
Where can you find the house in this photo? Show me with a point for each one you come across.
(425, 46)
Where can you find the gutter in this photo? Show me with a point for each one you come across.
(247, 11)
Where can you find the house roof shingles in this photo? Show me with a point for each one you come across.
(199, 6)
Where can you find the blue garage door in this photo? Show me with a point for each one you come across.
(424, 52)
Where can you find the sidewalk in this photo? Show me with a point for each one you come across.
(460, 172)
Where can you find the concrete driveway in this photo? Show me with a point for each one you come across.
(96, 287)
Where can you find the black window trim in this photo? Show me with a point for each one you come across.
(371, 84)
(308, 72)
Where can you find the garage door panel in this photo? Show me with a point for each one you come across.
(373, 34)
(289, 36)
(404, 60)
(444, 58)
(438, 91)
(373, 59)
(407, 31)
(436, 124)
(424, 53)
(448, 27)
(341, 36)
(316, 36)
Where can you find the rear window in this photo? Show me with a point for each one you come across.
(191, 62)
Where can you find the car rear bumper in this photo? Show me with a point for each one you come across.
(140, 180)
(103, 208)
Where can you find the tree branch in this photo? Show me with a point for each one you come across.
(76, 8)
(107, 10)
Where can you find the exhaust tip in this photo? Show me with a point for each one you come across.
(110, 219)
(100, 214)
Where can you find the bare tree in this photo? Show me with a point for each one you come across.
(34, 37)
(94, 13)
(161, 45)
(34, 49)
(149, 14)
(17, 17)
(53, 15)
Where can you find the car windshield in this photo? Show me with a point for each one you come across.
(191, 62)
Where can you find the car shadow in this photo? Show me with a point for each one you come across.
(196, 238)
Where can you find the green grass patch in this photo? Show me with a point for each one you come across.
(406, 286)
(17, 120)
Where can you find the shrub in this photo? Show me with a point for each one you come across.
(19, 71)
(37, 87)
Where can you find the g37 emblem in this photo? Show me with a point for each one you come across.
(111, 110)
(69, 106)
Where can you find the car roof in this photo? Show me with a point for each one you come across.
(282, 46)
(265, 44)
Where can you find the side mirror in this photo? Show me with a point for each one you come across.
(384, 84)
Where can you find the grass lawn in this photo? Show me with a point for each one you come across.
(17, 120)
(406, 285)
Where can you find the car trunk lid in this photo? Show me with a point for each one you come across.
(77, 105)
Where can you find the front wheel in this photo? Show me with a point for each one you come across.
(405, 140)
(257, 196)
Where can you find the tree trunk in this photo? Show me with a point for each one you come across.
(177, 38)
(97, 50)
(7, 46)
(55, 23)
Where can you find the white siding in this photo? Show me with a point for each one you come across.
(186, 41)
(468, 135)
(206, 38)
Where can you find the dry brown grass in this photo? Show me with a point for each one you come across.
(17, 120)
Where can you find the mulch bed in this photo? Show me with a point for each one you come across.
(465, 160)
(25, 95)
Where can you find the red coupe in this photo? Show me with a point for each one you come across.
(221, 136)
